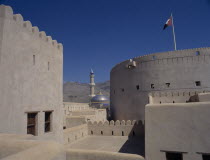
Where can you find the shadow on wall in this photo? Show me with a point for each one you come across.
(135, 143)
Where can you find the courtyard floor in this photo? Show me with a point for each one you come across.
(122, 144)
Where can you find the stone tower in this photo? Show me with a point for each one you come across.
(31, 69)
(92, 84)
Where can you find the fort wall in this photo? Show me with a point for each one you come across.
(71, 106)
(177, 71)
(117, 128)
(172, 96)
(177, 128)
(31, 69)
(106, 128)
(75, 133)
(81, 112)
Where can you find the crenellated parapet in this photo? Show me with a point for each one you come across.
(116, 123)
(116, 128)
(6, 13)
(173, 96)
(166, 58)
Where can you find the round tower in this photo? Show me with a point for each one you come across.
(92, 84)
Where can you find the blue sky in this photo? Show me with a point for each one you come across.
(101, 33)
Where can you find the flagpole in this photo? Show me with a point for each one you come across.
(173, 32)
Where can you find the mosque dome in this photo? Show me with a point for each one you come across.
(100, 99)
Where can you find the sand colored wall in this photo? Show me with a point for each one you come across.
(81, 112)
(118, 128)
(20, 147)
(71, 106)
(173, 96)
(179, 127)
(72, 121)
(179, 68)
(29, 85)
(75, 133)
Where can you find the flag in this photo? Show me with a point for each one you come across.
(168, 23)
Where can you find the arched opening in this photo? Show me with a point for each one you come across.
(101, 132)
(173, 102)
(122, 133)
(112, 133)
(160, 102)
(134, 133)
(91, 132)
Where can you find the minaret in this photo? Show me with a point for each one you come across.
(92, 84)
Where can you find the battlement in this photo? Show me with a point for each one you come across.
(173, 96)
(116, 128)
(170, 57)
(6, 12)
(175, 93)
(115, 123)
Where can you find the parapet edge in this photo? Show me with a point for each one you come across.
(7, 12)
(115, 123)
(157, 53)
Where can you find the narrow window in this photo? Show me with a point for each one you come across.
(174, 156)
(173, 102)
(134, 133)
(137, 87)
(168, 85)
(206, 156)
(48, 66)
(197, 83)
(197, 53)
(32, 123)
(91, 132)
(82, 134)
(152, 86)
(122, 133)
(101, 132)
(68, 139)
(123, 89)
(48, 119)
(160, 102)
(75, 137)
(34, 60)
(112, 132)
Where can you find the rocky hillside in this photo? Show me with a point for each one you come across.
(79, 92)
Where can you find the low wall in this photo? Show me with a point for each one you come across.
(70, 106)
(75, 133)
(173, 96)
(99, 155)
(19, 147)
(118, 128)
(72, 121)
(82, 113)
(75, 118)
(182, 128)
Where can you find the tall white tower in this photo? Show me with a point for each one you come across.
(92, 84)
